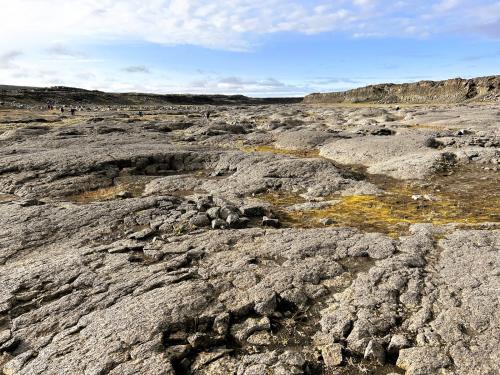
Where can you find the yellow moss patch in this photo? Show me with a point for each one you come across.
(97, 195)
(281, 151)
(68, 121)
(463, 199)
(159, 117)
(393, 214)
(428, 126)
(133, 184)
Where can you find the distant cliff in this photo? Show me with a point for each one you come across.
(450, 91)
(76, 96)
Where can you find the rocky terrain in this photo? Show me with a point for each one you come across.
(266, 239)
(450, 91)
(19, 96)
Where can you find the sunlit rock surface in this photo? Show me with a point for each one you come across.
(266, 239)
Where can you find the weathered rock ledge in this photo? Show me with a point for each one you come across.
(450, 91)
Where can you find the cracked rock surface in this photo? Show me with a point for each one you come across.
(143, 244)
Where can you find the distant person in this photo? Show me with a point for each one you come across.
(141, 114)
(73, 111)
(207, 115)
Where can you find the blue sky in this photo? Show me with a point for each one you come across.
(257, 48)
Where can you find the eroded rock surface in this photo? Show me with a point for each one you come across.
(449, 91)
(156, 244)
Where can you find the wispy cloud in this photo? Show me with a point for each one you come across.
(334, 81)
(60, 50)
(137, 69)
(236, 24)
(491, 55)
(235, 84)
(66, 42)
(446, 5)
(7, 59)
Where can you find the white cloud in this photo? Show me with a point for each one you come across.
(238, 84)
(223, 24)
(53, 33)
(446, 5)
(214, 24)
(62, 51)
(365, 3)
(136, 69)
(88, 76)
(7, 59)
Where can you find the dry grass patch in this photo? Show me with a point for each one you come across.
(281, 151)
(427, 126)
(135, 185)
(7, 197)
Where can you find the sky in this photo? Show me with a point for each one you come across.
(258, 48)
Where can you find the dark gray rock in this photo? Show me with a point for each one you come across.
(253, 210)
(213, 212)
(29, 202)
(200, 220)
(375, 351)
(233, 220)
(269, 222)
(397, 343)
(124, 194)
(226, 211)
(142, 234)
(242, 331)
(219, 224)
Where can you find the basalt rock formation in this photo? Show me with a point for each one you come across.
(450, 91)
(264, 240)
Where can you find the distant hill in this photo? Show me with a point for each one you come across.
(76, 96)
(455, 90)
(450, 91)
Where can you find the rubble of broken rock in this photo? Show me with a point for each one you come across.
(267, 239)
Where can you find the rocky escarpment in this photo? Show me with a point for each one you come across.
(450, 91)
(76, 96)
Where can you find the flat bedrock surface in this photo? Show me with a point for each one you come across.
(267, 239)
